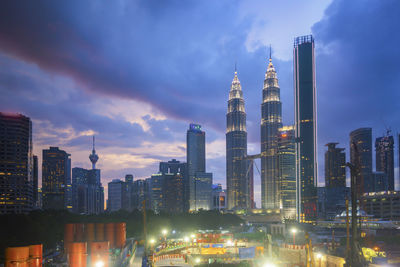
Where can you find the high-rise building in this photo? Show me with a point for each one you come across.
(156, 192)
(54, 178)
(361, 145)
(116, 195)
(335, 166)
(174, 176)
(200, 182)
(139, 194)
(384, 147)
(287, 171)
(35, 180)
(16, 164)
(379, 182)
(237, 180)
(271, 121)
(305, 128)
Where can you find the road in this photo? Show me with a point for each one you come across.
(137, 262)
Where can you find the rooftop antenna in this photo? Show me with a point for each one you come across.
(270, 53)
(235, 67)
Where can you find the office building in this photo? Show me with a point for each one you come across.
(379, 182)
(116, 195)
(196, 159)
(55, 178)
(237, 179)
(218, 197)
(174, 182)
(271, 121)
(287, 171)
(332, 201)
(361, 156)
(384, 148)
(335, 166)
(35, 181)
(384, 205)
(305, 128)
(156, 198)
(16, 164)
(139, 194)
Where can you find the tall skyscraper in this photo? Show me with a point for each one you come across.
(384, 147)
(35, 180)
(271, 121)
(116, 195)
(305, 128)
(362, 139)
(237, 180)
(196, 159)
(335, 166)
(287, 171)
(54, 178)
(16, 164)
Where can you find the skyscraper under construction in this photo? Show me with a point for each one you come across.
(271, 121)
(237, 178)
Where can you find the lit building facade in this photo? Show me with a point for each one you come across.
(116, 195)
(361, 141)
(287, 171)
(384, 148)
(55, 178)
(16, 164)
(305, 128)
(237, 179)
(271, 121)
(384, 205)
(335, 166)
(156, 192)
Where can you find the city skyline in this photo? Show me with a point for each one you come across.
(128, 122)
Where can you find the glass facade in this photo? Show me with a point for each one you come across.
(237, 180)
(361, 142)
(16, 164)
(384, 148)
(287, 171)
(271, 121)
(305, 128)
(335, 166)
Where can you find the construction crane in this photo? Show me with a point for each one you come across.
(310, 261)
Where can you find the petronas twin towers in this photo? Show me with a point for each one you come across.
(238, 163)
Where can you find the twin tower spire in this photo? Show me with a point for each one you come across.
(239, 170)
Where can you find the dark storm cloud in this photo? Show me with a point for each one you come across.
(177, 56)
(358, 71)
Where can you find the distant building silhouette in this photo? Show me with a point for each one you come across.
(116, 195)
(35, 181)
(384, 148)
(361, 141)
(16, 164)
(305, 128)
(55, 178)
(218, 197)
(335, 166)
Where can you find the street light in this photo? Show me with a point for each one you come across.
(294, 231)
(197, 260)
(186, 239)
(269, 265)
(192, 236)
(164, 231)
(152, 241)
(99, 264)
(319, 257)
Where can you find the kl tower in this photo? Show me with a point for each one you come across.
(93, 157)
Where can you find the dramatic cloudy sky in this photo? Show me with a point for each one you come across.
(136, 73)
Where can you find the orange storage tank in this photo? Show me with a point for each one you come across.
(100, 253)
(79, 232)
(89, 231)
(77, 254)
(110, 234)
(120, 235)
(17, 257)
(35, 255)
(99, 231)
